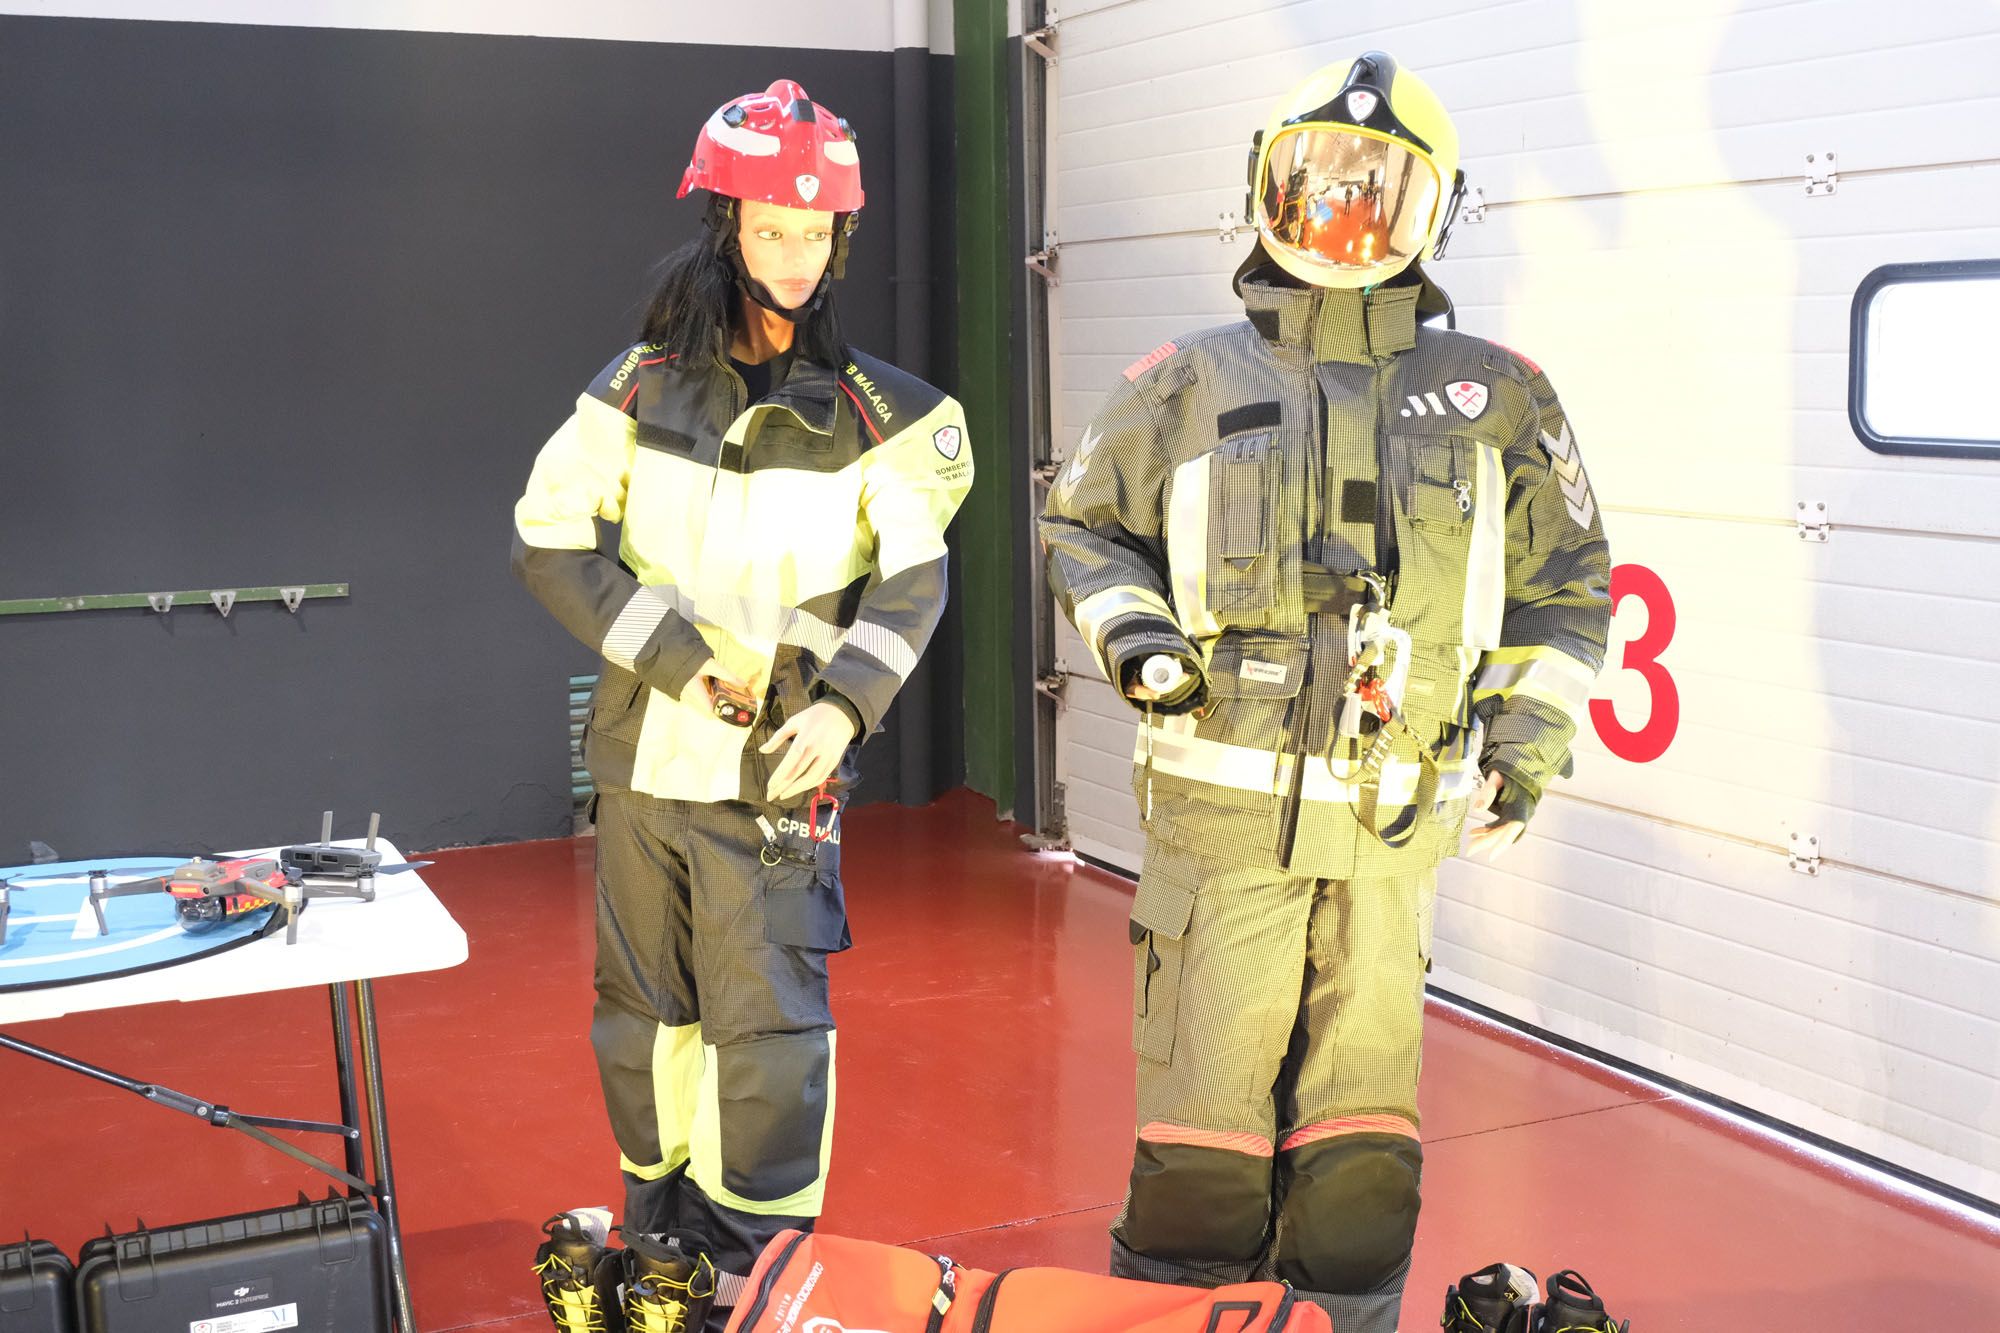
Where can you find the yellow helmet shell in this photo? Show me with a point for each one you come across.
(1368, 104)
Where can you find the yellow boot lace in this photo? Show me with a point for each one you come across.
(572, 1300)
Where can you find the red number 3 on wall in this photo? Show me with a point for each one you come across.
(1642, 655)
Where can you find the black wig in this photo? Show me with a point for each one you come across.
(698, 305)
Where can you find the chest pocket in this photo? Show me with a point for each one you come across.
(1442, 491)
(780, 440)
(1252, 572)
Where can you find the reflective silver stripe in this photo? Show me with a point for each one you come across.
(729, 1288)
(821, 638)
(1098, 609)
(884, 645)
(760, 623)
(1547, 674)
(757, 624)
(636, 623)
(1187, 548)
(1249, 769)
(1486, 561)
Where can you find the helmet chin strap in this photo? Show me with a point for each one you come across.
(721, 223)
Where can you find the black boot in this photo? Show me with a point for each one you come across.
(567, 1264)
(1573, 1307)
(1497, 1299)
(667, 1282)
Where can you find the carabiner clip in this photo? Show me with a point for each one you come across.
(831, 803)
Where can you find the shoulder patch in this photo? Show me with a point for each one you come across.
(887, 398)
(1151, 359)
(617, 384)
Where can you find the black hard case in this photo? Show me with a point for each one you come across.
(326, 1259)
(35, 1295)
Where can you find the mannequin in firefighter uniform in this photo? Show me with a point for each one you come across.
(1368, 549)
(783, 500)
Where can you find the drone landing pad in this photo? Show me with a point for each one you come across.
(52, 937)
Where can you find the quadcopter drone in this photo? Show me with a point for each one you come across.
(207, 893)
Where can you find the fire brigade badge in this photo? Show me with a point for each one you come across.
(1468, 396)
(1361, 105)
(808, 187)
(948, 440)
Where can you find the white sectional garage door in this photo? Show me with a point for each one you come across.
(1649, 238)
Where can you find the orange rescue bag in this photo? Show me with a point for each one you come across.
(812, 1283)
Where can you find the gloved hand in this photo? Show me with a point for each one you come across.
(817, 737)
(1184, 697)
(1492, 841)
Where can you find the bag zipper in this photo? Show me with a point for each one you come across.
(771, 1280)
(982, 1318)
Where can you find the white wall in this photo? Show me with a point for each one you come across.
(1649, 241)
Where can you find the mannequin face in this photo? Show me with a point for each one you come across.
(786, 249)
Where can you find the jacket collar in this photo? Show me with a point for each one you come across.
(808, 393)
(1336, 324)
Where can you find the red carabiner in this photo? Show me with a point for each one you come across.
(822, 797)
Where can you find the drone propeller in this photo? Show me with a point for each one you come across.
(149, 870)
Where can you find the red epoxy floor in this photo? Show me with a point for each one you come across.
(985, 1111)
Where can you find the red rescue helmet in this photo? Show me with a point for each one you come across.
(780, 147)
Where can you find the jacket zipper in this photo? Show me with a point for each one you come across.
(1301, 721)
(771, 1280)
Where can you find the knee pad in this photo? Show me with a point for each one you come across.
(772, 1109)
(1191, 1202)
(1350, 1212)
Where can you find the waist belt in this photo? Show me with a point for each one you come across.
(1330, 592)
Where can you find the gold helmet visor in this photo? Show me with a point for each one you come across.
(1346, 199)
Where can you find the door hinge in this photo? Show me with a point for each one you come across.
(1053, 685)
(1043, 261)
(1814, 525)
(1805, 854)
(1473, 210)
(1821, 175)
(1042, 40)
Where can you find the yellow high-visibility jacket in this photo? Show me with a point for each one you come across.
(799, 540)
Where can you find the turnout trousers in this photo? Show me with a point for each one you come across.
(714, 1038)
(1279, 1025)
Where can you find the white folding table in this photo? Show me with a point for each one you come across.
(343, 945)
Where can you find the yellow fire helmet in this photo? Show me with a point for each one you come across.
(1355, 175)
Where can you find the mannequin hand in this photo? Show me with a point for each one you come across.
(817, 738)
(697, 694)
(1491, 842)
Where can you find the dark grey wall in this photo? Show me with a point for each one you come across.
(299, 305)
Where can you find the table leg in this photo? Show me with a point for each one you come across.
(343, 1057)
(385, 1174)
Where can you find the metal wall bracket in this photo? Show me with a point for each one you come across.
(1822, 177)
(1814, 525)
(1805, 855)
(1226, 224)
(1473, 210)
(1052, 686)
(222, 599)
(1042, 40)
(1043, 261)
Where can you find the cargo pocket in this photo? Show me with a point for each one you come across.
(805, 908)
(1161, 911)
(1252, 560)
(611, 730)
